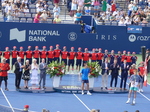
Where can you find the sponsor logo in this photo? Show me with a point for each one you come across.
(106, 37)
(15, 34)
(31, 35)
(72, 36)
(132, 38)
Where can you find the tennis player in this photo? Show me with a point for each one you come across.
(85, 72)
(135, 82)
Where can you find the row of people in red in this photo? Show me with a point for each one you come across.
(68, 57)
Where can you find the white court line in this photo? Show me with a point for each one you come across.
(82, 102)
(140, 93)
(7, 100)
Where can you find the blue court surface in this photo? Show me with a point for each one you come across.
(73, 102)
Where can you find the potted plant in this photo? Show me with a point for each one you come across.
(56, 70)
(94, 72)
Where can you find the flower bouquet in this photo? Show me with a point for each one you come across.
(94, 69)
(56, 69)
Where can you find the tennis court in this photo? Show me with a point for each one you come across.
(71, 102)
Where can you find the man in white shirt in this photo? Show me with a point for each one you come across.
(115, 12)
(127, 21)
(8, 7)
(56, 10)
(130, 8)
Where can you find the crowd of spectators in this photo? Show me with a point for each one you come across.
(137, 12)
(105, 11)
(33, 10)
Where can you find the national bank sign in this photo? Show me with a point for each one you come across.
(31, 35)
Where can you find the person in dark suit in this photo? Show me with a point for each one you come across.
(105, 73)
(18, 72)
(114, 73)
(124, 74)
(42, 67)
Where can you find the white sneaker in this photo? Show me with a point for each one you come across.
(141, 90)
(88, 93)
(82, 93)
(133, 101)
(128, 101)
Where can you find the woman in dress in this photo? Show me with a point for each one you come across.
(37, 17)
(26, 75)
(34, 73)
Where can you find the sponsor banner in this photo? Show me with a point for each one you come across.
(134, 29)
(107, 37)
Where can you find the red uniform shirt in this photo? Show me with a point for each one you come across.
(43, 54)
(72, 55)
(94, 56)
(36, 53)
(5, 67)
(50, 54)
(6, 54)
(141, 71)
(129, 58)
(21, 54)
(64, 54)
(79, 55)
(100, 56)
(131, 71)
(86, 56)
(14, 54)
(123, 58)
(57, 53)
(29, 54)
(0, 53)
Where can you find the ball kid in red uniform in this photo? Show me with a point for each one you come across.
(79, 57)
(141, 70)
(57, 53)
(50, 54)
(29, 54)
(64, 55)
(14, 54)
(71, 56)
(36, 54)
(129, 59)
(94, 55)
(123, 56)
(43, 54)
(21, 54)
(7, 54)
(86, 56)
(100, 56)
(4, 67)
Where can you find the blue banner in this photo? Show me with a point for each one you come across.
(107, 37)
(134, 29)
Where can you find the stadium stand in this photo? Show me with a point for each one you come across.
(135, 12)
